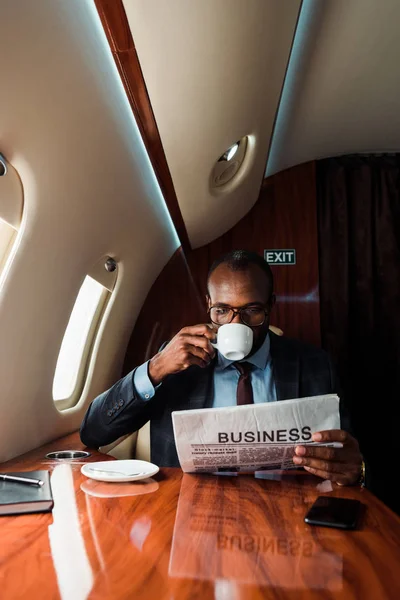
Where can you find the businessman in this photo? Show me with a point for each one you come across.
(187, 373)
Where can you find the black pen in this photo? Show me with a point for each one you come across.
(27, 480)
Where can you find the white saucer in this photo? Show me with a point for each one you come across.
(119, 470)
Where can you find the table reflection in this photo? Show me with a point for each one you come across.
(68, 549)
(228, 529)
(119, 526)
(101, 489)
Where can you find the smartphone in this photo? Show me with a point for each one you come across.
(334, 512)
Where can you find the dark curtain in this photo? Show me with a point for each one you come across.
(359, 246)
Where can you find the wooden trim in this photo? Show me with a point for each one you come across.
(116, 27)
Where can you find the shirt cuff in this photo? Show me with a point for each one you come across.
(141, 380)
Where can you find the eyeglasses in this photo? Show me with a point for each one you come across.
(253, 316)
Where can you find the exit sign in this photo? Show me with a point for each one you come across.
(280, 257)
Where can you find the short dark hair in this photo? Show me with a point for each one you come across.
(240, 260)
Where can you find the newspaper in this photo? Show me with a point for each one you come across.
(253, 437)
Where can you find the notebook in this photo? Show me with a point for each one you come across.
(21, 498)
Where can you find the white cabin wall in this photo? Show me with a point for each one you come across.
(342, 89)
(89, 191)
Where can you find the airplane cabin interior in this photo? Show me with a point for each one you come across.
(141, 141)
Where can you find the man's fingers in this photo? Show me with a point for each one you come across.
(332, 435)
(336, 477)
(320, 452)
(347, 456)
(191, 346)
(203, 329)
(345, 473)
(198, 352)
(198, 342)
(193, 359)
(322, 465)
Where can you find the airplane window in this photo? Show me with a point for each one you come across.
(7, 235)
(77, 343)
(11, 207)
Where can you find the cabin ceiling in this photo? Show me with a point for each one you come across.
(342, 90)
(215, 71)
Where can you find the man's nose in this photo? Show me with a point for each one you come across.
(236, 318)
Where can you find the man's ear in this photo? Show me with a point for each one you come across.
(272, 302)
(208, 301)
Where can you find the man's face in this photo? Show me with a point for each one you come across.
(238, 289)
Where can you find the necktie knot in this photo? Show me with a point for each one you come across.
(244, 368)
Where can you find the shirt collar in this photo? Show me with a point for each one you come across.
(259, 359)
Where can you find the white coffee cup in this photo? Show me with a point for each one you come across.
(234, 341)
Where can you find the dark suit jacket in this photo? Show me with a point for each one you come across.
(299, 370)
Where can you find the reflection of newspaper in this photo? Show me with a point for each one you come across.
(253, 437)
(215, 539)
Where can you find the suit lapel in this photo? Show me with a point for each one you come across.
(285, 368)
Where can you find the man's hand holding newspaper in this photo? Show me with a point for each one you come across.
(280, 435)
(337, 464)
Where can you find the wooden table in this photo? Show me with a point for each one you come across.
(191, 536)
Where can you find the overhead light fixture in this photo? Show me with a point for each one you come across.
(230, 153)
(229, 163)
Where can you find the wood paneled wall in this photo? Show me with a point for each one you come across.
(283, 217)
(172, 303)
(117, 30)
